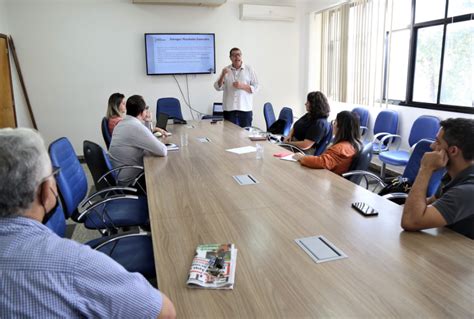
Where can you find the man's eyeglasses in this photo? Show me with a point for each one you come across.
(55, 172)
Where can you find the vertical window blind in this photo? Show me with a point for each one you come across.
(352, 51)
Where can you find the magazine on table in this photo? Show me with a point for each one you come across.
(213, 267)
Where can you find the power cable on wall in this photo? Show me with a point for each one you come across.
(188, 101)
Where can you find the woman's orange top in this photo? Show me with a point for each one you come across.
(337, 158)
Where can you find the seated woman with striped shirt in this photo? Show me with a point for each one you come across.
(338, 157)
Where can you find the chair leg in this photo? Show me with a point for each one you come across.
(382, 171)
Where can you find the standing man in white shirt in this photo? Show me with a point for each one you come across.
(239, 83)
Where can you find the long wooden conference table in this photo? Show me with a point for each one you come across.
(193, 199)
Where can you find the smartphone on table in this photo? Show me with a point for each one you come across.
(364, 209)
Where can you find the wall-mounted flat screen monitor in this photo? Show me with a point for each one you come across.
(180, 53)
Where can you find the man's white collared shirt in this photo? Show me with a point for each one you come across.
(238, 99)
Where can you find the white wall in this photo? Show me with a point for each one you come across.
(75, 53)
(3, 18)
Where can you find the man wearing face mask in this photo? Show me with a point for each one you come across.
(453, 149)
(239, 83)
(43, 275)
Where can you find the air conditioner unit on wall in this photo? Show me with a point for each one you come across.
(262, 12)
(204, 3)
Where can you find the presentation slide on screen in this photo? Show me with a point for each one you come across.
(179, 53)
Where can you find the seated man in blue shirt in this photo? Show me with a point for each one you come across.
(453, 149)
(43, 275)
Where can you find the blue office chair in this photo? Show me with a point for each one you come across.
(385, 123)
(286, 114)
(268, 114)
(360, 164)
(321, 147)
(409, 174)
(170, 106)
(103, 174)
(413, 166)
(133, 250)
(424, 127)
(363, 115)
(118, 210)
(57, 222)
(217, 112)
(105, 132)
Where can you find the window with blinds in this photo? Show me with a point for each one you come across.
(415, 53)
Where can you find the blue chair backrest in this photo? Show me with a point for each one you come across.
(71, 180)
(387, 121)
(286, 114)
(424, 127)
(413, 165)
(363, 115)
(170, 106)
(361, 162)
(57, 222)
(105, 132)
(268, 114)
(325, 141)
(107, 161)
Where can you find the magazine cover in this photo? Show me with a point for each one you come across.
(213, 267)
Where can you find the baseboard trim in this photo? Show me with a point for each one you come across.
(388, 172)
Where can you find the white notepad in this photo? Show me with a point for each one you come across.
(289, 158)
(242, 150)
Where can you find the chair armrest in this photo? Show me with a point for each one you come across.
(93, 206)
(366, 176)
(363, 130)
(114, 189)
(134, 182)
(110, 239)
(378, 136)
(119, 169)
(294, 149)
(391, 138)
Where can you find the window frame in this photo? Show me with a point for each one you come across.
(414, 28)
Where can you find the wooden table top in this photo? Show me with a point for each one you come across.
(193, 199)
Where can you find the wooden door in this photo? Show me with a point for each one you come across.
(7, 103)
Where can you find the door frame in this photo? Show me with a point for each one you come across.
(5, 37)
